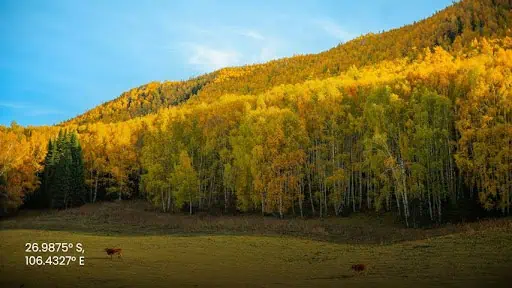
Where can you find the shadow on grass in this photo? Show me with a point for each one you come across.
(150, 232)
(334, 277)
(132, 218)
(98, 258)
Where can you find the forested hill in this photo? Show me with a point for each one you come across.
(452, 28)
(144, 100)
(426, 134)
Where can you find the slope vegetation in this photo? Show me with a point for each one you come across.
(452, 28)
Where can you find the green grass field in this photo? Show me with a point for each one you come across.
(182, 251)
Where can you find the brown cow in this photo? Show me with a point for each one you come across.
(358, 267)
(113, 251)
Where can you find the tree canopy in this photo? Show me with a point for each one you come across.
(418, 129)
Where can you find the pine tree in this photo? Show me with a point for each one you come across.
(42, 198)
(63, 180)
(77, 185)
(50, 162)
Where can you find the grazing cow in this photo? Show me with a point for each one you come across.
(113, 251)
(358, 267)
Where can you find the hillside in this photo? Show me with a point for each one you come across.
(452, 28)
(391, 152)
(426, 136)
(144, 100)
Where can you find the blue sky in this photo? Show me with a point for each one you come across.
(61, 58)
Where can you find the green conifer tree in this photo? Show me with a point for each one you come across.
(77, 185)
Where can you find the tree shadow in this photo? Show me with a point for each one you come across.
(119, 221)
(333, 277)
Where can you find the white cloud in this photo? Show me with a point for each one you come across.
(334, 29)
(30, 110)
(207, 58)
(13, 105)
(227, 46)
(225, 31)
(252, 34)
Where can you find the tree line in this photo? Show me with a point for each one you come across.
(414, 137)
(423, 137)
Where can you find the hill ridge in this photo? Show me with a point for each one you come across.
(452, 28)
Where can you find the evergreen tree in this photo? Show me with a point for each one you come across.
(61, 186)
(51, 160)
(77, 185)
(41, 198)
(63, 179)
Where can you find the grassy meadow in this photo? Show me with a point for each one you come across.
(161, 250)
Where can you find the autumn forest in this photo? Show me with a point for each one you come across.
(416, 121)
